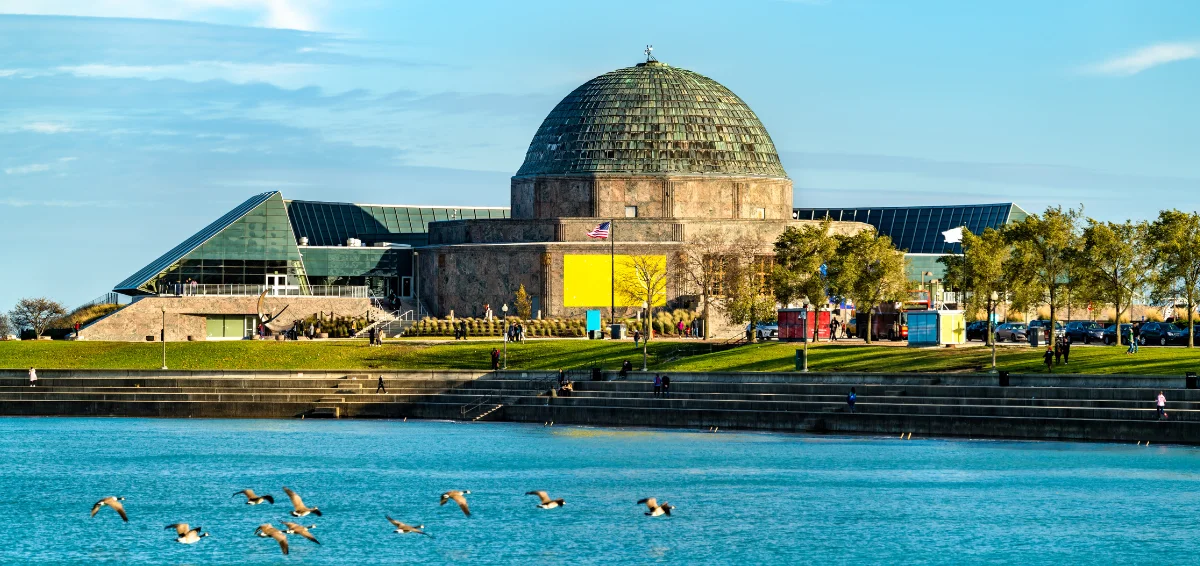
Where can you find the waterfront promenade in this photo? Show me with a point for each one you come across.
(1116, 408)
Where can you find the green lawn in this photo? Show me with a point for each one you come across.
(575, 354)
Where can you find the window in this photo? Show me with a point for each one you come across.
(759, 214)
(631, 212)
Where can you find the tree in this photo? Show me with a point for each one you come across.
(982, 270)
(1174, 242)
(645, 283)
(748, 297)
(1042, 256)
(1116, 262)
(868, 270)
(802, 256)
(5, 327)
(704, 267)
(37, 314)
(523, 304)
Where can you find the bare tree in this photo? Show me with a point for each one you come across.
(37, 314)
(748, 297)
(645, 282)
(705, 267)
(5, 328)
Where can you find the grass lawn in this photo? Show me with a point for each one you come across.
(575, 354)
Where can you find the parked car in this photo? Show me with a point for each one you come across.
(1110, 334)
(1042, 325)
(1011, 332)
(1085, 331)
(766, 331)
(977, 330)
(1162, 334)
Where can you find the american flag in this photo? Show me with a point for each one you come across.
(600, 231)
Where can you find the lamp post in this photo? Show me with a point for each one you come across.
(162, 337)
(933, 284)
(925, 274)
(417, 282)
(504, 309)
(992, 326)
(645, 323)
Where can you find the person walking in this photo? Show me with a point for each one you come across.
(371, 336)
(32, 377)
(679, 326)
(380, 388)
(666, 381)
(637, 336)
(1058, 351)
(1067, 350)
(1133, 345)
(1048, 357)
(495, 358)
(1162, 406)
(833, 329)
(657, 385)
(851, 398)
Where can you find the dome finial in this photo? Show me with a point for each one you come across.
(649, 57)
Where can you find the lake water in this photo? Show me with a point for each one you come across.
(741, 497)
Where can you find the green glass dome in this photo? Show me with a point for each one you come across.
(652, 118)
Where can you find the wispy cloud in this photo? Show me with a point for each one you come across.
(46, 127)
(20, 203)
(27, 169)
(1145, 58)
(285, 75)
(285, 14)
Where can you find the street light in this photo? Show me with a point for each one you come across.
(933, 284)
(925, 274)
(163, 336)
(645, 324)
(504, 309)
(992, 327)
(416, 269)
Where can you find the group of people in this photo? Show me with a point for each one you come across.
(460, 330)
(516, 333)
(374, 337)
(1058, 353)
(662, 385)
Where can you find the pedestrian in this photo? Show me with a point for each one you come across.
(625, 367)
(1048, 357)
(495, 358)
(666, 381)
(679, 326)
(371, 336)
(850, 399)
(1162, 406)
(32, 377)
(562, 378)
(1133, 345)
(1058, 351)
(1067, 350)
(637, 335)
(380, 387)
(833, 329)
(657, 385)
(521, 331)
(312, 331)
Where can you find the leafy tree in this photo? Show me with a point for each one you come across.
(5, 327)
(748, 298)
(800, 254)
(868, 270)
(37, 314)
(523, 304)
(645, 283)
(1043, 255)
(1116, 262)
(982, 270)
(1174, 243)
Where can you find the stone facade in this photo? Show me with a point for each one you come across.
(655, 196)
(186, 317)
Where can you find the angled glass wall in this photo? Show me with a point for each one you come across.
(918, 229)
(332, 223)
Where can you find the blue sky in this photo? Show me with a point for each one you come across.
(126, 125)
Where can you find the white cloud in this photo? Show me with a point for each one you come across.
(287, 14)
(284, 75)
(27, 169)
(1145, 58)
(46, 128)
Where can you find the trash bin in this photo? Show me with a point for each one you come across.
(592, 334)
(617, 331)
(1003, 379)
(800, 359)
(1033, 336)
(1191, 380)
(597, 375)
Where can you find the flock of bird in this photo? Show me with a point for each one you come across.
(186, 534)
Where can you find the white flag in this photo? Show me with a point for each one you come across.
(953, 235)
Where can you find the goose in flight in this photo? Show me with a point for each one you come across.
(115, 503)
(546, 503)
(402, 528)
(301, 509)
(253, 498)
(186, 535)
(298, 529)
(458, 498)
(655, 508)
(266, 530)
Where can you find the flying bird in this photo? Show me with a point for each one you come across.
(546, 503)
(115, 503)
(655, 508)
(266, 530)
(458, 498)
(185, 535)
(298, 529)
(254, 499)
(301, 509)
(402, 528)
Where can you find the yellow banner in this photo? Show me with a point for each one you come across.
(587, 280)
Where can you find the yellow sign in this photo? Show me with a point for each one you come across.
(587, 280)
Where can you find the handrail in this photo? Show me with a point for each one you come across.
(237, 290)
(465, 409)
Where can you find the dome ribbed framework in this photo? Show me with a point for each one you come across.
(652, 118)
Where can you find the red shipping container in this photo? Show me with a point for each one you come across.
(793, 325)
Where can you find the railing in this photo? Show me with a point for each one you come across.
(469, 408)
(407, 315)
(232, 290)
(109, 298)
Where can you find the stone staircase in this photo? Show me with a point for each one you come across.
(924, 406)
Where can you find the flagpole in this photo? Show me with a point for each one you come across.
(612, 266)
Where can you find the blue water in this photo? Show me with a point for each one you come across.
(741, 497)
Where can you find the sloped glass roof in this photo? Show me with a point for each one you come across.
(652, 118)
(332, 223)
(918, 229)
